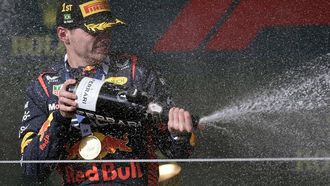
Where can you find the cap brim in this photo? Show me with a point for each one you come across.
(102, 26)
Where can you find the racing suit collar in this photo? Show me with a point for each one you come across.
(98, 71)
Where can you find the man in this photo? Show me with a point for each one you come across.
(51, 129)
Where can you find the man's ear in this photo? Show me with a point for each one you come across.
(63, 34)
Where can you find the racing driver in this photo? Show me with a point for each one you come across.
(51, 129)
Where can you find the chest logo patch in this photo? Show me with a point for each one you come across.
(117, 80)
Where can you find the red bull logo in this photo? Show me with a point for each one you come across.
(42, 138)
(45, 143)
(45, 127)
(109, 173)
(109, 144)
(89, 70)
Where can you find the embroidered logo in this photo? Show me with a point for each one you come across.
(103, 25)
(94, 7)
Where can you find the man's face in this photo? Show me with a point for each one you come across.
(91, 48)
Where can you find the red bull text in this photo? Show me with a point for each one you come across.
(108, 173)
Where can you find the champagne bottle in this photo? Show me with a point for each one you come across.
(101, 98)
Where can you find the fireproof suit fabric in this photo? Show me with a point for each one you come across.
(46, 135)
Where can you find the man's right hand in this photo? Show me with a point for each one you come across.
(67, 100)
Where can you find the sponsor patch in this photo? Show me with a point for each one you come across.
(109, 172)
(53, 106)
(53, 79)
(22, 130)
(26, 140)
(56, 89)
(117, 80)
(26, 105)
(94, 7)
(26, 115)
(45, 127)
(110, 145)
(122, 65)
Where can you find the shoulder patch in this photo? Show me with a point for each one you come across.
(49, 77)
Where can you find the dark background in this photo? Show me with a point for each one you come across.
(202, 80)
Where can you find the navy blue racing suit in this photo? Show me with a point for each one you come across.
(46, 135)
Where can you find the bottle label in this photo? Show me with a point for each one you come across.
(87, 92)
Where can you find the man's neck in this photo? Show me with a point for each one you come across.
(76, 62)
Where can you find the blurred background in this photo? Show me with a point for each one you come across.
(261, 67)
